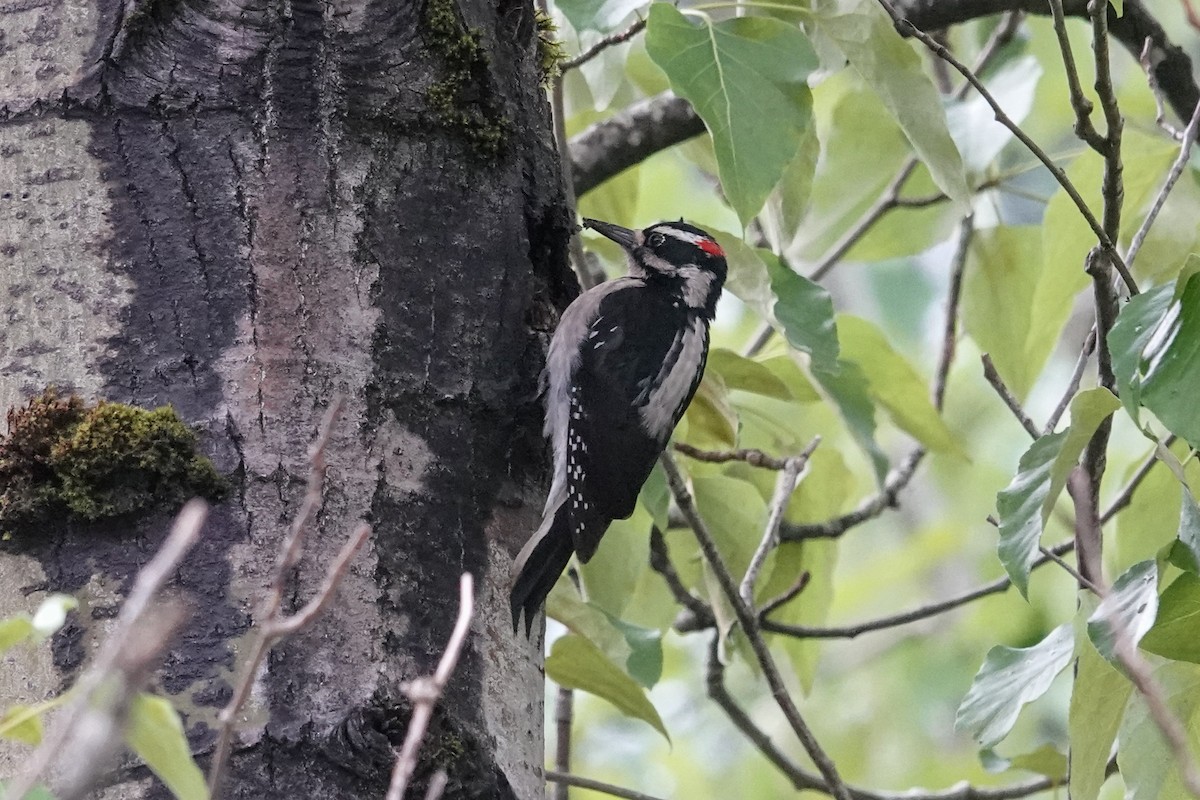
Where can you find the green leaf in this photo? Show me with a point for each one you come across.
(1128, 610)
(1129, 338)
(890, 66)
(847, 388)
(712, 423)
(1148, 766)
(748, 280)
(655, 497)
(15, 630)
(1026, 503)
(895, 385)
(1010, 678)
(576, 663)
(1176, 631)
(736, 515)
(1167, 380)
(1066, 236)
(611, 575)
(645, 661)
(1003, 269)
(1022, 507)
(1098, 698)
(638, 649)
(747, 79)
(979, 136)
(1189, 531)
(1045, 760)
(805, 311)
(22, 723)
(597, 15)
(745, 374)
(154, 732)
(789, 203)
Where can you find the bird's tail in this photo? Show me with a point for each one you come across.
(538, 566)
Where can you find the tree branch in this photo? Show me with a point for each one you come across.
(630, 137)
(1171, 66)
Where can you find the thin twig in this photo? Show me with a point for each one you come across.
(425, 692)
(1089, 346)
(914, 615)
(1074, 573)
(287, 626)
(1082, 105)
(790, 594)
(567, 779)
(871, 507)
(785, 484)
(1088, 529)
(1057, 172)
(1010, 400)
(122, 665)
(564, 714)
(437, 785)
(958, 266)
(1125, 496)
(750, 627)
(1160, 199)
(660, 562)
(604, 44)
(803, 780)
(755, 458)
(273, 625)
(1139, 672)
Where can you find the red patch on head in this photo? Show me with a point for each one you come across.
(711, 247)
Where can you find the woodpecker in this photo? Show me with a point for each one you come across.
(623, 365)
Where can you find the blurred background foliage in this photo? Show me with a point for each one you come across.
(883, 704)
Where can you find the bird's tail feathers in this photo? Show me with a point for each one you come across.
(538, 566)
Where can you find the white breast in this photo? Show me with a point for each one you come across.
(673, 384)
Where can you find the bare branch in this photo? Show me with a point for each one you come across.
(90, 727)
(788, 596)
(564, 779)
(906, 26)
(425, 692)
(660, 562)
(1125, 496)
(785, 484)
(755, 458)
(629, 137)
(1160, 199)
(749, 624)
(604, 44)
(1010, 400)
(904, 618)
(1089, 346)
(564, 713)
(273, 625)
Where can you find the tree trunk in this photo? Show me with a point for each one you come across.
(244, 209)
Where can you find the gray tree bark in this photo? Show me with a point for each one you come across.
(242, 209)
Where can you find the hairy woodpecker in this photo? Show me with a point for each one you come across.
(623, 365)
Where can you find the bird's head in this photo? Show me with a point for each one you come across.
(678, 252)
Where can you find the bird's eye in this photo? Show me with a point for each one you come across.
(655, 239)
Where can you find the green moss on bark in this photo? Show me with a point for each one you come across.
(462, 99)
(63, 459)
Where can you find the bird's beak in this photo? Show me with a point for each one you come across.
(622, 236)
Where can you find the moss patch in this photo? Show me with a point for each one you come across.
(549, 49)
(64, 459)
(463, 99)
